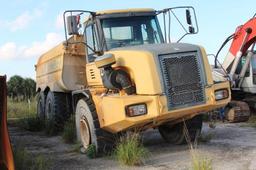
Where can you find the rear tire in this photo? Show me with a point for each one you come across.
(41, 105)
(57, 108)
(88, 128)
(175, 134)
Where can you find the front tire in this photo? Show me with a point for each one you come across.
(88, 128)
(175, 134)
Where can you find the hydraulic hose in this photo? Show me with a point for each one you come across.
(223, 45)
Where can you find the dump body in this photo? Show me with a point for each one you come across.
(62, 69)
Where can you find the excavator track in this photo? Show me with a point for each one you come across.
(237, 111)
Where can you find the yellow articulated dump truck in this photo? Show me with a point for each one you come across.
(117, 71)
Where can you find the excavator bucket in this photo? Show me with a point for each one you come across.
(6, 155)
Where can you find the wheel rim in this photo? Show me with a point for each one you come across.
(84, 132)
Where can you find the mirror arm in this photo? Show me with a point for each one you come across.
(71, 11)
(182, 37)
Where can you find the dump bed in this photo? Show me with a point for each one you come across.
(62, 68)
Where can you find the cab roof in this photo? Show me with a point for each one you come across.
(125, 11)
(122, 13)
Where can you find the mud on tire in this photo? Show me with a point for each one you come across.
(88, 128)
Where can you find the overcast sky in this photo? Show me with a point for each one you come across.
(28, 28)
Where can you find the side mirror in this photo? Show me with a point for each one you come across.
(188, 17)
(191, 29)
(72, 25)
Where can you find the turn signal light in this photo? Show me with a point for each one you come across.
(136, 110)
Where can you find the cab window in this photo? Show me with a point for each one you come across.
(91, 40)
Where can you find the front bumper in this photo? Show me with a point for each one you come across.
(113, 118)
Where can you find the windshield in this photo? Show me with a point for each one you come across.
(129, 31)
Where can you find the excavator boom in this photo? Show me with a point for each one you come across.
(244, 37)
(234, 68)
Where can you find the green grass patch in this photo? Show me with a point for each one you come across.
(69, 131)
(91, 151)
(130, 151)
(27, 161)
(33, 124)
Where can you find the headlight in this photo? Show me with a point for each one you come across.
(221, 94)
(136, 109)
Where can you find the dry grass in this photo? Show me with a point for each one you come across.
(21, 109)
(198, 160)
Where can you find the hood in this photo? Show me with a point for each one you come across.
(158, 49)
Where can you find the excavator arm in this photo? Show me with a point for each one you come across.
(242, 45)
(244, 37)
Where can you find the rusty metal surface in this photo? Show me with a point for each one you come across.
(6, 155)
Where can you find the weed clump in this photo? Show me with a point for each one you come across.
(33, 124)
(69, 131)
(129, 150)
(91, 151)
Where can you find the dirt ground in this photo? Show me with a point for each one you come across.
(229, 146)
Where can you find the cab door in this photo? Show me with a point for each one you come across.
(92, 40)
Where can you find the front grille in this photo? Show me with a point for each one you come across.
(183, 79)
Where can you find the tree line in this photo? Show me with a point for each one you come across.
(20, 88)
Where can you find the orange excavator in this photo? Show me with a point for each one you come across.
(6, 155)
(239, 67)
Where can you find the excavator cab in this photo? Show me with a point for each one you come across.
(249, 80)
